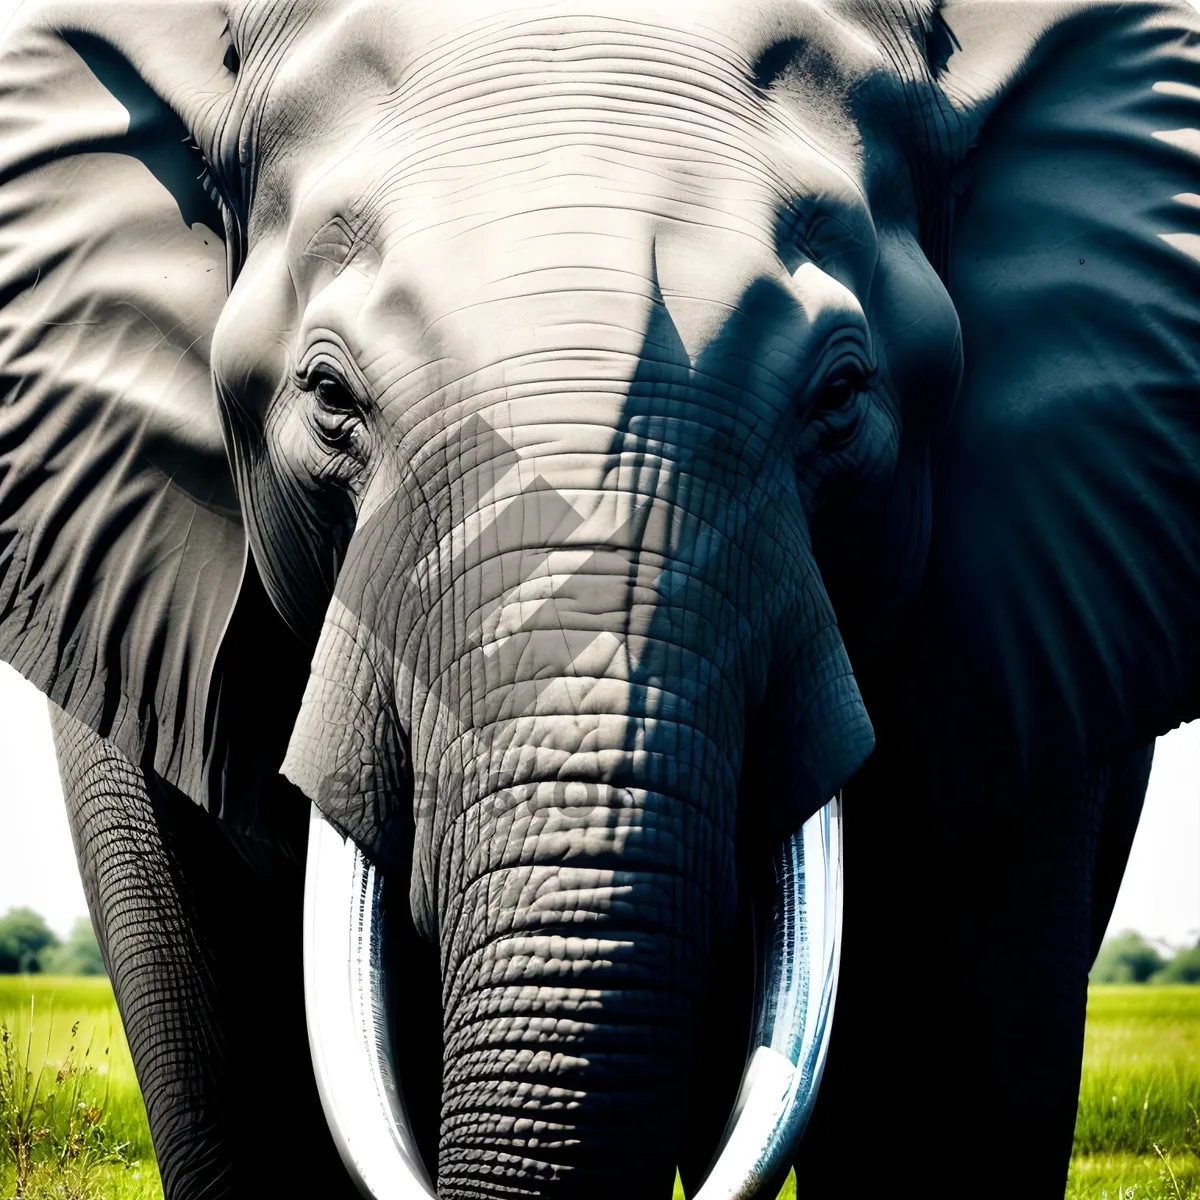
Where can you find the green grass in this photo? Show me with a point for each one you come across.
(76, 1019)
(1139, 1103)
(1139, 1100)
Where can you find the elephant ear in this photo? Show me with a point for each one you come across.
(122, 554)
(1061, 610)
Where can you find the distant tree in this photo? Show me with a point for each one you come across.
(78, 955)
(24, 939)
(1126, 958)
(1183, 968)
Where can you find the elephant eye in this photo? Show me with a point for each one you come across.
(836, 406)
(840, 392)
(333, 396)
(338, 412)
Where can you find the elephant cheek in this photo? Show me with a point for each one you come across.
(811, 732)
(250, 356)
(810, 738)
(347, 751)
(250, 350)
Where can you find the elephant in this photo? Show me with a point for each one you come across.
(490, 490)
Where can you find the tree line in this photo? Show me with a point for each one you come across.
(1129, 958)
(28, 946)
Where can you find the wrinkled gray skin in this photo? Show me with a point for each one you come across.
(558, 338)
(588, 373)
(603, 364)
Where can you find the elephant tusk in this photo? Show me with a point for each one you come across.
(793, 1017)
(348, 1033)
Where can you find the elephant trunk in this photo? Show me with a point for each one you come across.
(578, 860)
(574, 668)
(569, 991)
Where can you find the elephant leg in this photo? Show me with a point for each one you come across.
(1024, 947)
(1051, 895)
(1118, 824)
(204, 953)
(958, 1036)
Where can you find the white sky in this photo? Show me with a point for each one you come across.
(1160, 896)
(37, 861)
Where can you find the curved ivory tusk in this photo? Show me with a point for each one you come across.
(795, 1011)
(347, 1026)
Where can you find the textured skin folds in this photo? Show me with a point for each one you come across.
(568, 580)
(202, 947)
(558, 440)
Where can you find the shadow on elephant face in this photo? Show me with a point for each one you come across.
(592, 387)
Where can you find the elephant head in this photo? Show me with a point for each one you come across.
(480, 412)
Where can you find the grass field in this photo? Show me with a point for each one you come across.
(1138, 1125)
(84, 1113)
(1139, 1100)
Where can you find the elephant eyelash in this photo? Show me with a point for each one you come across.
(211, 190)
(207, 177)
(235, 242)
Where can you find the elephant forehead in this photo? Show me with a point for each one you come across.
(454, 99)
(592, 291)
(573, 276)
